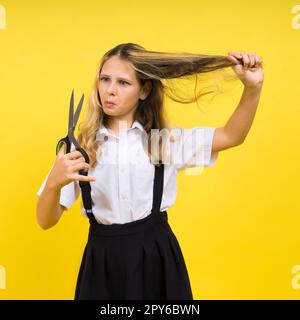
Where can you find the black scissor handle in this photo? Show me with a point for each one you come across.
(85, 155)
(86, 158)
(65, 141)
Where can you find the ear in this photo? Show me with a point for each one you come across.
(146, 89)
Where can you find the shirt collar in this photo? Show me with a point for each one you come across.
(104, 131)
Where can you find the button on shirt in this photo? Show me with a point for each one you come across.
(123, 190)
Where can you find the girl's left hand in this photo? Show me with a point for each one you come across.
(251, 73)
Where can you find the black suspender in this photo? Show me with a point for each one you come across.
(157, 193)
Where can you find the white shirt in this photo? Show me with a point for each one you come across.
(123, 190)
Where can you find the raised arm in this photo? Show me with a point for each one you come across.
(239, 124)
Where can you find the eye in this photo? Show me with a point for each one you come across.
(122, 81)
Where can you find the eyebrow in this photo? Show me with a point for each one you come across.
(120, 78)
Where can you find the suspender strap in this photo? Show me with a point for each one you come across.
(87, 199)
(158, 186)
(157, 193)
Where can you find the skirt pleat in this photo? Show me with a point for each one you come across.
(145, 263)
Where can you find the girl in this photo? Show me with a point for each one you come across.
(131, 251)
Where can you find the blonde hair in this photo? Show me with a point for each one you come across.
(155, 67)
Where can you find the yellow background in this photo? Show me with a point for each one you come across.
(237, 222)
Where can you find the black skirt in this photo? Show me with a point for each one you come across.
(137, 260)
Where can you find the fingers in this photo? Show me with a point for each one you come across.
(81, 177)
(253, 60)
(79, 160)
(61, 151)
(246, 60)
(250, 60)
(81, 165)
(258, 61)
(73, 155)
(233, 59)
(234, 56)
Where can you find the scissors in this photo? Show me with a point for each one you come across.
(69, 138)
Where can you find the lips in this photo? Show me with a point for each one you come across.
(109, 102)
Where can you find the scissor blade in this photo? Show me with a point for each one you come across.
(71, 111)
(73, 140)
(77, 113)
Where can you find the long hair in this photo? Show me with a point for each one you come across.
(158, 68)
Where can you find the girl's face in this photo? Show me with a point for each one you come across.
(118, 84)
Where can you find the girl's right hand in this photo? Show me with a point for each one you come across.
(66, 167)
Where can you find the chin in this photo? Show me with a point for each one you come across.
(108, 110)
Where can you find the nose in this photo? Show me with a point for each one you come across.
(111, 88)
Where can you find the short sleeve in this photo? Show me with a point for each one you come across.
(68, 193)
(194, 148)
